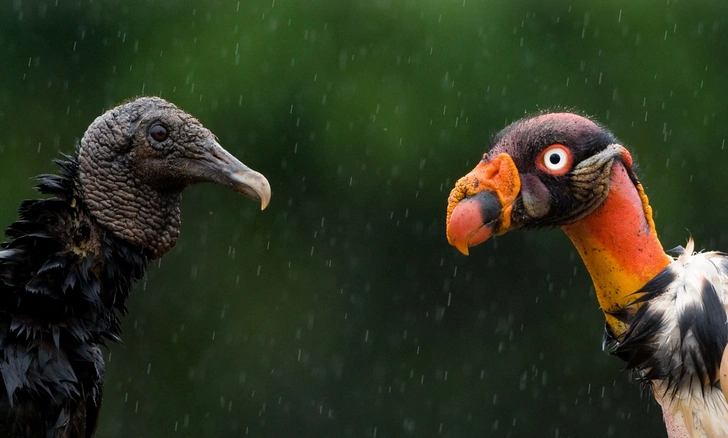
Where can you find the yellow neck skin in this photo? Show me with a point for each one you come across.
(619, 245)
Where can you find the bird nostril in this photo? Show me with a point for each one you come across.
(490, 172)
(215, 153)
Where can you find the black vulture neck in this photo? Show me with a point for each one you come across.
(127, 207)
(116, 196)
(62, 267)
(64, 281)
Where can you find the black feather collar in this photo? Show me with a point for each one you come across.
(64, 281)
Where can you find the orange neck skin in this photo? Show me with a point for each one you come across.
(619, 246)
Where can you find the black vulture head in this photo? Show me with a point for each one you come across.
(136, 159)
(545, 171)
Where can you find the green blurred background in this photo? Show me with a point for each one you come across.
(341, 311)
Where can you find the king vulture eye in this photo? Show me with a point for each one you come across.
(555, 159)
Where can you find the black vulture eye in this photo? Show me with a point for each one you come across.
(159, 132)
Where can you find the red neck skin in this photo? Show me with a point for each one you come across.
(619, 245)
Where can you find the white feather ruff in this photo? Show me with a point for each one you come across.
(697, 409)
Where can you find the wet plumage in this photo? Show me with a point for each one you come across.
(676, 336)
(72, 258)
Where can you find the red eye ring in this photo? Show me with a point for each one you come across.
(555, 160)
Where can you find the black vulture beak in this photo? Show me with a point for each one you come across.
(221, 167)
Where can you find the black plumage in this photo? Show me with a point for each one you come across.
(70, 264)
(700, 331)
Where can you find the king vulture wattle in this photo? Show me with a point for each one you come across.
(665, 316)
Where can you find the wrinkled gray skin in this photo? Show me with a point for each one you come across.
(132, 183)
(72, 258)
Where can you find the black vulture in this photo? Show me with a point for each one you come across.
(72, 258)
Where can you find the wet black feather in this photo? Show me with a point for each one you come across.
(692, 362)
(64, 282)
(711, 331)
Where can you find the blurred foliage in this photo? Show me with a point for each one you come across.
(341, 310)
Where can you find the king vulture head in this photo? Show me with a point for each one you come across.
(665, 316)
(550, 170)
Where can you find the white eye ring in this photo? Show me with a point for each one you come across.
(555, 159)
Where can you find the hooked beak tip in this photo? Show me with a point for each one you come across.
(253, 185)
(473, 221)
(461, 246)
